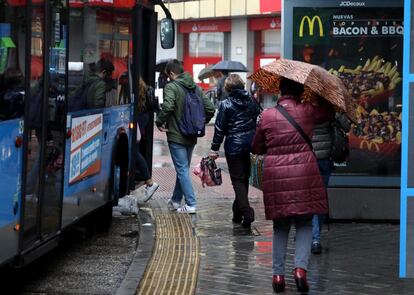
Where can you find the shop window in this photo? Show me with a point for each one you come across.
(267, 47)
(270, 42)
(206, 44)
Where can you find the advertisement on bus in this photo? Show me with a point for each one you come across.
(363, 47)
(85, 148)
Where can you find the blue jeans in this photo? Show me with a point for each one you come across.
(317, 221)
(181, 157)
(281, 228)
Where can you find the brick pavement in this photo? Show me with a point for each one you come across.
(357, 258)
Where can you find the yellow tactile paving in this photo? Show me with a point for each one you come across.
(173, 268)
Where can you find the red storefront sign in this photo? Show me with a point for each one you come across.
(111, 3)
(22, 2)
(205, 26)
(268, 6)
(80, 3)
(268, 23)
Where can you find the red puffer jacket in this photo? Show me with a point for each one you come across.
(292, 183)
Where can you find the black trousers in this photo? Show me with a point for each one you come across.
(239, 168)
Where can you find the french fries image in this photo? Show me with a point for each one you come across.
(374, 77)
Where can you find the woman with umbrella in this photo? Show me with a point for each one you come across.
(293, 189)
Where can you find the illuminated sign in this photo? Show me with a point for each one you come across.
(311, 25)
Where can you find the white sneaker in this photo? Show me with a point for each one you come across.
(150, 190)
(187, 209)
(173, 205)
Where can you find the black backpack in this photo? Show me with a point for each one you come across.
(340, 143)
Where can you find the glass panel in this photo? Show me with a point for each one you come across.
(270, 42)
(410, 237)
(98, 58)
(206, 44)
(364, 48)
(412, 38)
(53, 163)
(410, 172)
(34, 124)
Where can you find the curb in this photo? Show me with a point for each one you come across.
(146, 241)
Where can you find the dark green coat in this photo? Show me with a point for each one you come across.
(172, 108)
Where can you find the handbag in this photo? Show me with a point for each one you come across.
(208, 172)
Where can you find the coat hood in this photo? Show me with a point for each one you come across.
(240, 97)
(186, 80)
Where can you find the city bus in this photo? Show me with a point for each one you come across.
(69, 71)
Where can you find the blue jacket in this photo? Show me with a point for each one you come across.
(236, 120)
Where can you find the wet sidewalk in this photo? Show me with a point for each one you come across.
(356, 258)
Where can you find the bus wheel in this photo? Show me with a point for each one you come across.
(120, 169)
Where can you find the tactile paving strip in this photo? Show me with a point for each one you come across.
(174, 265)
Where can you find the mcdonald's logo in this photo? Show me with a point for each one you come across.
(371, 146)
(311, 25)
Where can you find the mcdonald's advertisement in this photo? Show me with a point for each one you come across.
(362, 46)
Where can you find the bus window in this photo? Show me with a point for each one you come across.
(98, 58)
(11, 62)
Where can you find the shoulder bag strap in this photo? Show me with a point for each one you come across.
(292, 121)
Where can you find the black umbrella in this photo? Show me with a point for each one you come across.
(159, 67)
(206, 73)
(230, 66)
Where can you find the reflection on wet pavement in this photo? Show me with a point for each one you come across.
(356, 259)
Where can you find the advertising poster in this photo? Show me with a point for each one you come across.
(85, 148)
(363, 46)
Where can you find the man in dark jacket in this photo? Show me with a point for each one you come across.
(181, 147)
(322, 143)
(97, 84)
(236, 120)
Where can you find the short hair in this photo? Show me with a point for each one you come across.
(174, 66)
(105, 65)
(290, 87)
(232, 82)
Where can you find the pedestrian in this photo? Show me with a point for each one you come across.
(322, 144)
(98, 82)
(293, 189)
(236, 122)
(221, 77)
(180, 146)
(143, 119)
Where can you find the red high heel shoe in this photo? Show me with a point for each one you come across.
(301, 281)
(278, 283)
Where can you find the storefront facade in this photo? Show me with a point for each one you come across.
(248, 31)
(362, 43)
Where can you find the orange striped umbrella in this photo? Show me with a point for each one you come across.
(317, 81)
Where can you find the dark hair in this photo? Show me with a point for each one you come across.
(105, 65)
(290, 87)
(233, 82)
(174, 66)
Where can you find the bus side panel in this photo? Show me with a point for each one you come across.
(10, 184)
(88, 159)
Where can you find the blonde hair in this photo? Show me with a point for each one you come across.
(233, 81)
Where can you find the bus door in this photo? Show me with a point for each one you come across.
(12, 96)
(45, 121)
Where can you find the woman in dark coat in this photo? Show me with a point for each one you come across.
(236, 121)
(293, 188)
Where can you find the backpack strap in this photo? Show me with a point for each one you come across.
(295, 124)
